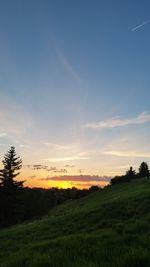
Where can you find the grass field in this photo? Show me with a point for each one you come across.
(110, 228)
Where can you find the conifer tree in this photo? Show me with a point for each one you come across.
(12, 164)
(10, 189)
(144, 170)
(131, 173)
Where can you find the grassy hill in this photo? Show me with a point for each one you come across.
(110, 228)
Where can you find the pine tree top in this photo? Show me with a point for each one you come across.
(11, 163)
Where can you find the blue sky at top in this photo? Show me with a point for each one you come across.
(66, 64)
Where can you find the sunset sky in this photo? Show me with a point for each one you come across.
(75, 88)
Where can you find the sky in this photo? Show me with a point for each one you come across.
(74, 88)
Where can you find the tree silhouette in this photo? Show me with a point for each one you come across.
(10, 188)
(11, 165)
(130, 173)
(144, 170)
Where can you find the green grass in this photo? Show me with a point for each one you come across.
(110, 228)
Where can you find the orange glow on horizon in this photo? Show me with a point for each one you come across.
(62, 184)
(38, 179)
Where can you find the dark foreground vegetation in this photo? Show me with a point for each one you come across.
(110, 228)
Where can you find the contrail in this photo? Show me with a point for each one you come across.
(140, 25)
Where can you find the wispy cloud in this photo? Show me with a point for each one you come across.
(56, 170)
(140, 26)
(136, 154)
(69, 166)
(3, 134)
(58, 146)
(65, 159)
(66, 64)
(122, 167)
(118, 122)
(36, 166)
(39, 167)
(79, 178)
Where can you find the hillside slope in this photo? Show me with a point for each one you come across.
(110, 228)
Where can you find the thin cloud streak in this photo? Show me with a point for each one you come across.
(3, 134)
(37, 167)
(127, 154)
(117, 122)
(79, 178)
(140, 25)
(65, 159)
(122, 167)
(58, 146)
(68, 67)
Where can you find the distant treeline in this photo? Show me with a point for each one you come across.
(131, 174)
(19, 203)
